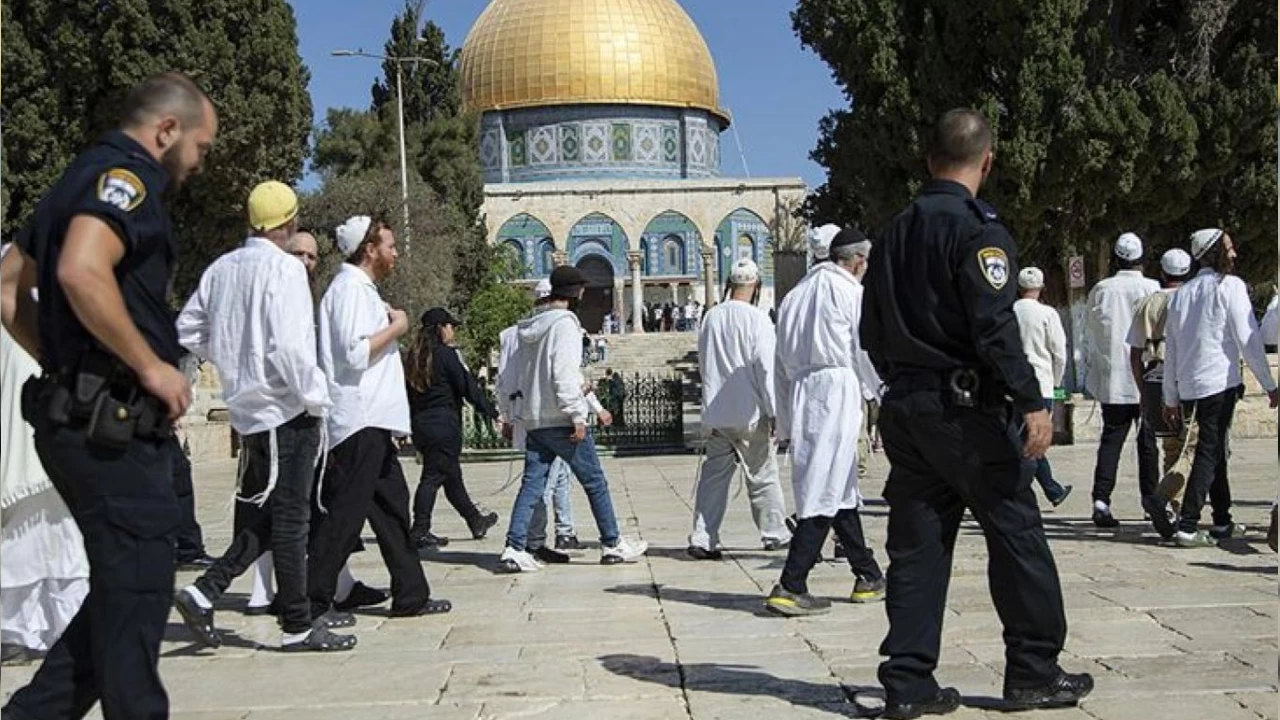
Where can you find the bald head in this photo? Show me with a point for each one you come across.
(961, 140)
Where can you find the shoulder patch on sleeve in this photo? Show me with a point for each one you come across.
(121, 188)
(994, 264)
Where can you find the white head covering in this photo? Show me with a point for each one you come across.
(542, 289)
(351, 233)
(1175, 262)
(820, 240)
(745, 272)
(1031, 278)
(1202, 240)
(1129, 247)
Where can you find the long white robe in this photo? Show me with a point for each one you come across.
(823, 376)
(45, 573)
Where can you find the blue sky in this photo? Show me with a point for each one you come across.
(775, 89)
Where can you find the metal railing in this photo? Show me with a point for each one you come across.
(648, 414)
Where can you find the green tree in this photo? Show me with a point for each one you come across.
(71, 62)
(1146, 116)
(497, 305)
(441, 146)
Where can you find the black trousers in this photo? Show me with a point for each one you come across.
(1209, 467)
(190, 539)
(806, 546)
(123, 502)
(363, 479)
(1116, 421)
(439, 439)
(944, 459)
(279, 525)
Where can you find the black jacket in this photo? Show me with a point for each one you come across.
(939, 293)
(453, 384)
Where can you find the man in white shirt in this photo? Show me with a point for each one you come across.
(1210, 326)
(359, 353)
(1045, 343)
(735, 358)
(1108, 379)
(244, 318)
(543, 390)
(822, 377)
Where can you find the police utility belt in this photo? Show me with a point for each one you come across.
(960, 387)
(102, 396)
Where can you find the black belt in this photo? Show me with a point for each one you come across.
(962, 387)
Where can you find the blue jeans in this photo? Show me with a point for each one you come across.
(1044, 474)
(555, 500)
(542, 447)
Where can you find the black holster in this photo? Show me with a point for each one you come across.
(100, 395)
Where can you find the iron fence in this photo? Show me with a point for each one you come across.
(648, 413)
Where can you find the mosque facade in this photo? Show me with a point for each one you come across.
(601, 147)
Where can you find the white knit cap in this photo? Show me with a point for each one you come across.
(1175, 262)
(1031, 278)
(351, 233)
(745, 272)
(1129, 247)
(542, 289)
(1202, 240)
(820, 240)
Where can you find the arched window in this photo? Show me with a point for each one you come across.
(746, 248)
(547, 257)
(644, 256)
(673, 256)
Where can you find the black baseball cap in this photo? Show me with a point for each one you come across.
(566, 281)
(438, 316)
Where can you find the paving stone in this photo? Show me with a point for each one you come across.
(1166, 633)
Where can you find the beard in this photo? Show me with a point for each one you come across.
(172, 164)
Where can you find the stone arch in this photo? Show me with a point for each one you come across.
(742, 232)
(527, 235)
(598, 234)
(672, 231)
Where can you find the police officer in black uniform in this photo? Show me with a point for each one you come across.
(100, 250)
(938, 323)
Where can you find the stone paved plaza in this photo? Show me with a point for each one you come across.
(1166, 632)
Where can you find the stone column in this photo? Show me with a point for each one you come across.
(620, 303)
(675, 293)
(709, 277)
(637, 293)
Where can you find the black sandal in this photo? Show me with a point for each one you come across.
(321, 639)
(197, 619)
(334, 619)
(430, 607)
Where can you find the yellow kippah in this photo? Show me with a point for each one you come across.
(271, 205)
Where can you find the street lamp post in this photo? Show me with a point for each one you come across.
(404, 165)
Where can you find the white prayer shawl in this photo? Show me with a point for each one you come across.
(21, 474)
(823, 376)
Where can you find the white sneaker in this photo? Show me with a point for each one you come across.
(513, 560)
(625, 551)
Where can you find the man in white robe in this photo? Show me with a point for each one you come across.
(823, 376)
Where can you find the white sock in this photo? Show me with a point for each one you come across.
(1101, 506)
(346, 581)
(294, 638)
(263, 573)
(199, 597)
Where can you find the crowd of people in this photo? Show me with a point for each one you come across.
(934, 328)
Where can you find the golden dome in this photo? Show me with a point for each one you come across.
(531, 53)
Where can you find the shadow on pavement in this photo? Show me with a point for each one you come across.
(751, 604)
(177, 632)
(743, 680)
